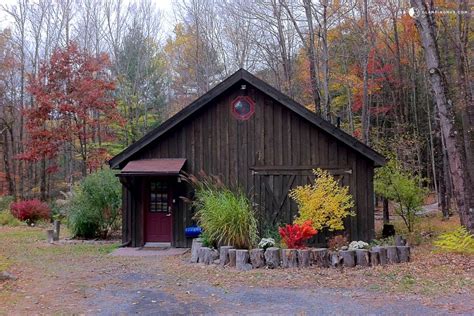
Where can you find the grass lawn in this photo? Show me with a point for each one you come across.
(60, 278)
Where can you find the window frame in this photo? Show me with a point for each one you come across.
(247, 115)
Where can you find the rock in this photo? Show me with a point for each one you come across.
(224, 255)
(320, 257)
(303, 258)
(289, 258)
(242, 260)
(5, 276)
(348, 258)
(362, 257)
(257, 258)
(272, 257)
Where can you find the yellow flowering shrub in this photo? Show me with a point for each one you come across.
(325, 203)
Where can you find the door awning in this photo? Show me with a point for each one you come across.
(153, 167)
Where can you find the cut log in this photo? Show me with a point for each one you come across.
(206, 255)
(224, 255)
(403, 253)
(242, 260)
(289, 258)
(257, 258)
(232, 254)
(197, 244)
(303, 258)
(321, 257)
(400, 241)
(374, 258)
(348, 258)
(50, 235)
(363, 258)
(335, 259)
(392, 254)
(382, 251)
(57, 228)
(272, 257)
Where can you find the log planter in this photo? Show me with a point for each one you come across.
(273, 257)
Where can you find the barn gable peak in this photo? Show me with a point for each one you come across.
(243, 75)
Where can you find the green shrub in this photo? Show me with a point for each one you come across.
(5, 202)
(7, 219)
(95, 205)
(401, 186)
(227, 218)
(458, 241)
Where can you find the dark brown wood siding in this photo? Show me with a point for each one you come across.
(265, 156)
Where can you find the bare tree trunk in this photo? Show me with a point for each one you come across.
(365, 64)
(426, 27)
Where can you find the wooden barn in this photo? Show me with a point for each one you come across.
(253, 137)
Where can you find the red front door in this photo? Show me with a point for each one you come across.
(159, 212)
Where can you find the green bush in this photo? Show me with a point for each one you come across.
(227, 218)
(7, 219)
(5, 202)
(95, 205)
(402, 187)
(458, 241)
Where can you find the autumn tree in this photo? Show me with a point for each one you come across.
(73, 107)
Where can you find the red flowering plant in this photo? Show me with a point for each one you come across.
(30, 210)
(294, 236)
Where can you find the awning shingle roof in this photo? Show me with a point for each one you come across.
(166, 166)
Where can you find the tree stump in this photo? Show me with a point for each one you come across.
(363, 258)
(57, 228)
(303, 258)
(392, 254)
(206, 255)
(321, 257)
(242, 260)
(232, 254)
(224, 255)
(348, 258)
(272, 257)
(197, 244)
(382, 251)
(257, 258)
(335, 259)
(50, 234)
(400, 241)
(374, 258)
(289, 258)
(403, 253)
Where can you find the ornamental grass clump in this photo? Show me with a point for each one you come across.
(325, 203)
(226, 217)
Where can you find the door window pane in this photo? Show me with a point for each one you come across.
(158, 196)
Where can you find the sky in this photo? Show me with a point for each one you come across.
(166, 6)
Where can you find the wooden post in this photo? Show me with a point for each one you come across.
(57, 228)
(257, 258)
(272, 257)
(335, 259)
(363, 258)
(203, 255)
(303, 258)
(232, 254)
(224, 255)
(197, 244)
(400, 241)
(289, 258)
(50, 234)
(392, 254)
(321, 257)
(348, 258)
(242, 260)
(403, 253)
(382, 251)
(374, 258)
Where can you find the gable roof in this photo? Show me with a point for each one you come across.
(238, 76)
